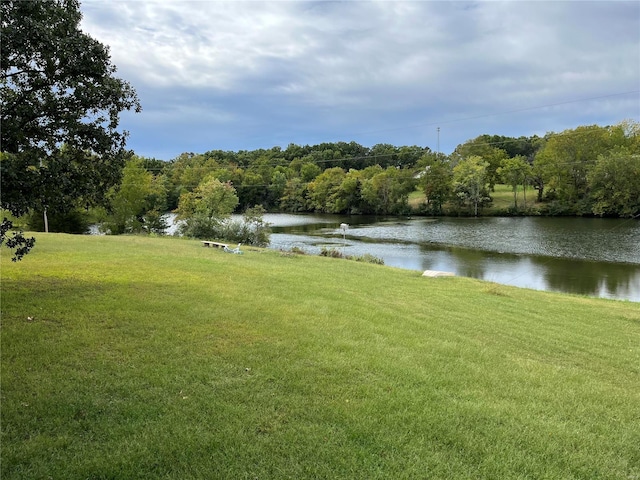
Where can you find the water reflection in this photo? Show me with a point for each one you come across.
(581, 256)
(609, 280)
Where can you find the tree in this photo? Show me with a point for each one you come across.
(204, 209)
(615, 184)
(277, 186)
(348, 198)
(514, 172)
(436, 181)
(484, 146)
(323, 191)
(57, 87)
(470, 182)
(309, 171)
(138, 202)
(564, 161)
(253, 190)
(294, 196)
(387, 192)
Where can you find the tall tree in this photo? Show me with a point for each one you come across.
(57, 87)
(435, 179)
(323, 191)
(491, 152)
(387, 192)
(137, 203)
(294, 196)
(470, 182)
(565, 160)
(204, 209)
(615, 184)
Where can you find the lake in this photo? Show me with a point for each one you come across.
(586, 256)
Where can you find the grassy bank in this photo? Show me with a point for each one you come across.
(502, 202)
(137, 357)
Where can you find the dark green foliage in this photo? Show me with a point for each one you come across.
(615, 184)
(58, 84)
(436, 183)
(347, 178)
(138, 203)
(60, 110)
(74, 221)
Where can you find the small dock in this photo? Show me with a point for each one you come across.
(437, 273)
(207, 243)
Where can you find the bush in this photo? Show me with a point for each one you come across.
(366, 258)
(251, 230)
(201, 226)
(331, 252)
(155, 222)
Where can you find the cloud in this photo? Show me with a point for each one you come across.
(242, 73)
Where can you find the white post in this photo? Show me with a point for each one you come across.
(46, 222)
(344, 227)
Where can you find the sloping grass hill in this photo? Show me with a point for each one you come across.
(138, 358)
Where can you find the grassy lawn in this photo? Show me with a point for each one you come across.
(502, 197)
(138, 357)
(416, 199)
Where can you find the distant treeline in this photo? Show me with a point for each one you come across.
(589, 170)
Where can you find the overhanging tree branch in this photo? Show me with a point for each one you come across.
(60, 111)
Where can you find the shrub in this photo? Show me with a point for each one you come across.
(251, 230)
(331, 252)
(366, 258)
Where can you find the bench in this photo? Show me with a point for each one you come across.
(207, 243)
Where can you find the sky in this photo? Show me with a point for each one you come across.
(235, 75)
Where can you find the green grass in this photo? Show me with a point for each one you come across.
(416, 199)
(157, 358)
(502, 200)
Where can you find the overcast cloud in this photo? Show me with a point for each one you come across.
(246, 75)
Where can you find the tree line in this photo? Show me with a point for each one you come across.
(589, 170)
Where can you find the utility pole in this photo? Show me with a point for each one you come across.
(438, 141)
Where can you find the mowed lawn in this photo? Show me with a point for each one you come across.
(138, 357)
(502, 200)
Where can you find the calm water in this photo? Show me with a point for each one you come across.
(597, 257)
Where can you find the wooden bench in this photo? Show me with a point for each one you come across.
(207, 243)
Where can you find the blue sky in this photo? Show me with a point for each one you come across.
(247, 75)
